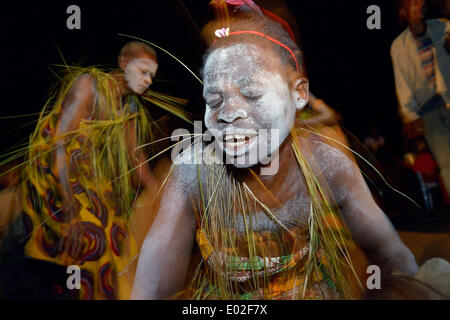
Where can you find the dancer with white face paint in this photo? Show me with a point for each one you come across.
(229, 232)
(79, 181)
(246, 91)
(139, 73)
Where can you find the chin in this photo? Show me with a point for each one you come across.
(138, 89)
(240, 164)
(242, 161)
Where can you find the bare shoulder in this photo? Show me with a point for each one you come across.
(83, 88)
(85, 82)
(325, 159)
(342, 176)
(187, 168)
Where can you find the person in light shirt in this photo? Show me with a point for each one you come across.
(421, 62)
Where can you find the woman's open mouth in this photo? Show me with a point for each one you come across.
(238, 144)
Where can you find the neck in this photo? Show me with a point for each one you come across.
(119, 77)
(283, 184)
(418, 27)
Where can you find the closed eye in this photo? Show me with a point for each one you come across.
(252, 97)
(214, 103)
(251, 94)
(213, 99)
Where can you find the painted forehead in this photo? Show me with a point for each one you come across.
(241, 63)
(143, 60)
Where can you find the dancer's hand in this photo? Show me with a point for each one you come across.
(71, 241)
(400, 287)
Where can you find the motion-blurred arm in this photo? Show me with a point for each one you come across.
(369, 226)
(166, 251)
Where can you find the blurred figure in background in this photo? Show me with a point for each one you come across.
(74, 206)
(422, 163)
(421, 64)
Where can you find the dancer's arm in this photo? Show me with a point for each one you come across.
(75, 107)
(139, 159)
(369, 226)
(166, 252)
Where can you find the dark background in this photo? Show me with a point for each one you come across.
(348, 65)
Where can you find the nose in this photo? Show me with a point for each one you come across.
(229, 114)
(148, 81)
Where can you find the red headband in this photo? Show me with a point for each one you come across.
(260, 34)
(222, 33)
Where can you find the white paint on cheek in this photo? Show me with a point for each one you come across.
(208, 114)
(276, 108)
(225, 67)
(274, 102)
(133, 74)
(130, 75)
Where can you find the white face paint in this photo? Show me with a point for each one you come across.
(139, 73)
(246, 90)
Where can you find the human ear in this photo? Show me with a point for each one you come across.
(301, 92)
(123, 63)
